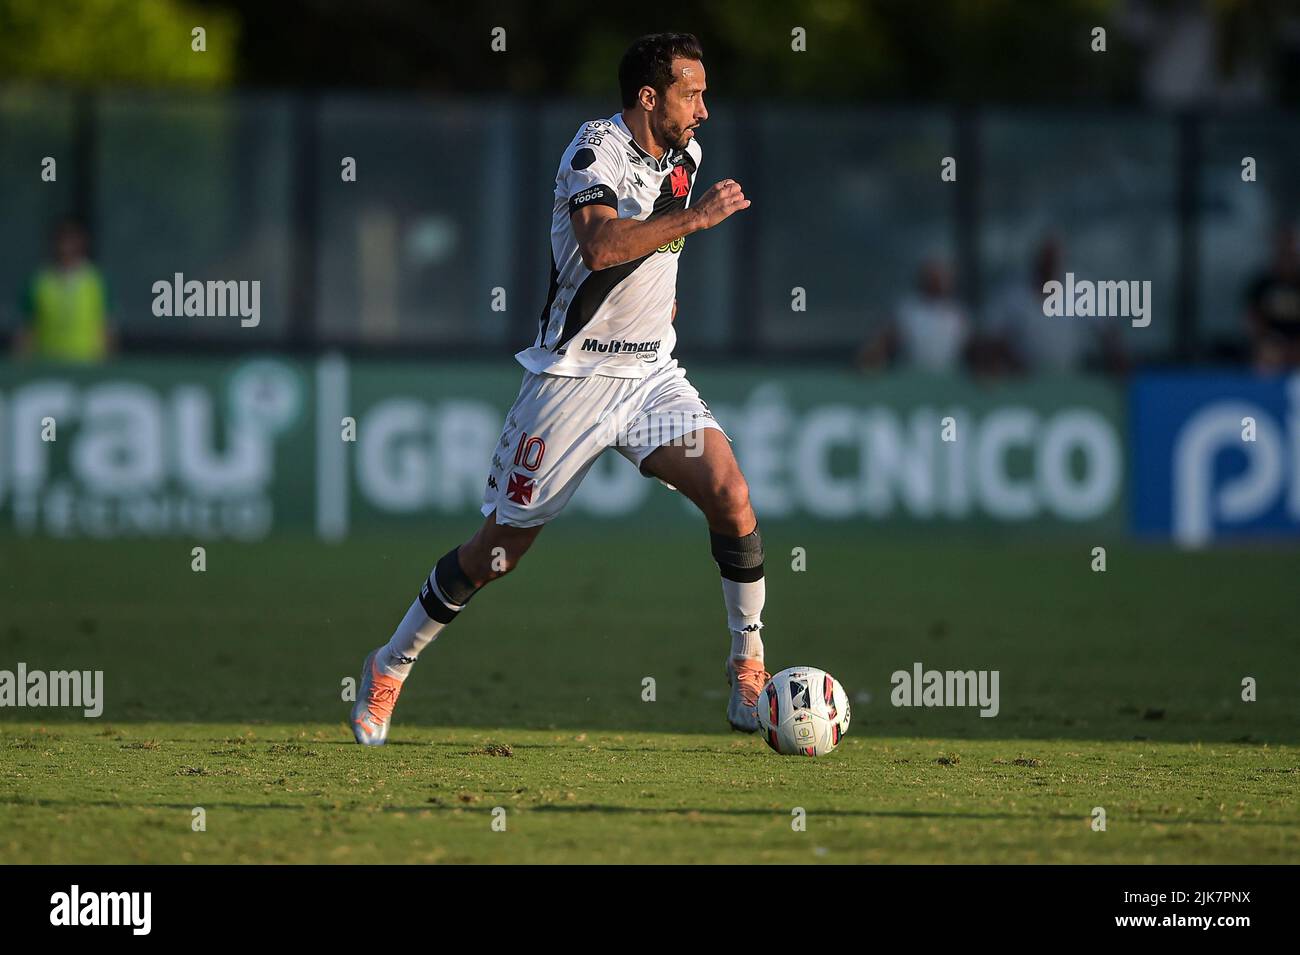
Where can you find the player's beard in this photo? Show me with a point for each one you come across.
(673, 134)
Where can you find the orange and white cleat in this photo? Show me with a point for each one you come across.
(376, 696)
(747, 677)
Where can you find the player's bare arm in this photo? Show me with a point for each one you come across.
(605, 240)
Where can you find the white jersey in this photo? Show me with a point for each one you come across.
(617, 321)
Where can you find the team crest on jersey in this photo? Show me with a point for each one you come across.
(680, 180)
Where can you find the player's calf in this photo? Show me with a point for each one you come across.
(495, 550)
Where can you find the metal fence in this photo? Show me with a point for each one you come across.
(452, 200)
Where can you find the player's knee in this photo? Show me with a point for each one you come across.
(728, 505)
(503, 558)
(489, 557)
(486, 563)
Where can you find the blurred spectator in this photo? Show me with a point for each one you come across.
(65, 304)
(1019, 338)
(929, 330)
(1273, 307)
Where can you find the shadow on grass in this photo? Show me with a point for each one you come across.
(618, 810)
(1125, 731)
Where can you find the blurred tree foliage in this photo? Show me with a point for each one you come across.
(893, 50)
(92, 43)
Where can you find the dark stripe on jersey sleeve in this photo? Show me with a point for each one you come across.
(597, 195)
(595, 288)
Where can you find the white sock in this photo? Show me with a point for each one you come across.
(416, 631)
(744, 603)
(747, 643)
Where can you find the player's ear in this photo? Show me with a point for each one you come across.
(647, 97)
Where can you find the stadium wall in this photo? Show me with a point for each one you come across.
(240, 449)
(245, 448)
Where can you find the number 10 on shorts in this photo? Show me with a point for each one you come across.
(529, 452)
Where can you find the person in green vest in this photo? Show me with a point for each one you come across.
(65, 304)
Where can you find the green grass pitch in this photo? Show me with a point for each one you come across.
(1119, 690)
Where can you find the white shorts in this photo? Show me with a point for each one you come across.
(559, 425)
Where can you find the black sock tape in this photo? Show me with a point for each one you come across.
(739, 558)
(452, 583)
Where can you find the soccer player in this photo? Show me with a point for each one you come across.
(600, 374)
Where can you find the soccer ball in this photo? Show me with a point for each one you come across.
(803, 711)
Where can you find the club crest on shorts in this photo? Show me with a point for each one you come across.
(520, 489)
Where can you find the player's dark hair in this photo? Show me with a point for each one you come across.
(649, 62)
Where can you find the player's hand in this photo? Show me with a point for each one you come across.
(722, 200)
